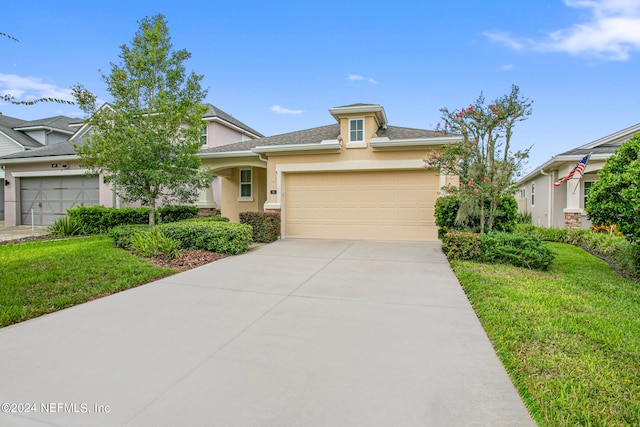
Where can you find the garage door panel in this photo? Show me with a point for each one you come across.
(386, 205)
(51, 197)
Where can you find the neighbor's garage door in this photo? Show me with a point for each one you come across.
(384, 205)
(50, 197)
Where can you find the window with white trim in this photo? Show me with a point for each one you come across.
(585, 191)
(203, 135)
(246, 184)
(356, 130)
(533, 194)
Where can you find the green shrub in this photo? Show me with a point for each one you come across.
(122, 234)
(176, 213)
(616, 250)
(99, 220)
(153, 242)
(446, 212)
(461, 245)
(266, 225)
(519, 249)
(65, 226)
(221, 237)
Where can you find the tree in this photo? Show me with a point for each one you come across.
(484, 159)
(147, 141)
(615, 197)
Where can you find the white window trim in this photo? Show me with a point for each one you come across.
(357, 144)
(240, 197)
(584, 192)
(205, 133)
(533, 194)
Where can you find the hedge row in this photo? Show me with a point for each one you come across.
(519, 249)
(266, 225)
(99, 219)
(217, 236)
(622, 254)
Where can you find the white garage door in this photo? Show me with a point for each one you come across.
(50, 197)
(371, 205)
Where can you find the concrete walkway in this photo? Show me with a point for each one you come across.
(295, 333)
(20, 231)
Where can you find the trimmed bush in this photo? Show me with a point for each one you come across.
(152, 242)
(176, 213)
(618, 251)
(519, 249)
(122, 234)
(65, 226)
(99, 220)
(266, 225)
(208, 219)
(447, 210)
(221, 237)
(462, 245)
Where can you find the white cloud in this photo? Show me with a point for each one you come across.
(612, 32)
(280, 110)
(30, 88)
(357, 77)
(507, 67)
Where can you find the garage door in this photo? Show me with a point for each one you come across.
(384, 205)
(50, 197)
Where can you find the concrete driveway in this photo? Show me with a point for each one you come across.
(295, 333)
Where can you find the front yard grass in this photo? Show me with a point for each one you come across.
(569, 337)
(41, 277)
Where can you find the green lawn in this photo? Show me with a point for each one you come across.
(569, 337)
(42, 277)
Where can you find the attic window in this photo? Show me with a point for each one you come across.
(356, 133)
(203, 135)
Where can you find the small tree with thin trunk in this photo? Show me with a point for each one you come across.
(484, 159)
(147, 141)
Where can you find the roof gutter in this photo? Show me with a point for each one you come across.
(39, 159)
(327, 145)
(226, 154)
(413, 142)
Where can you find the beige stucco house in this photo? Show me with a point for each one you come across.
(563, 206)
(47, 180)
(359, 178)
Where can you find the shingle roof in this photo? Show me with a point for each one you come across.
(8, 126)
(213, 111)
(319, 134)
(602, 149)
(60, 149)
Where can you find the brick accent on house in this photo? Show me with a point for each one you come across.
(204, 212)
(572, 220)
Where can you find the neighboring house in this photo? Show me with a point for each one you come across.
(48, 179)
(17, 135)
(359, 178)
(563, 206)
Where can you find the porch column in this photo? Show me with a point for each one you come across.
(573, 213)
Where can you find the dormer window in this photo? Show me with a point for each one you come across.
(203, 135)
(356, 133)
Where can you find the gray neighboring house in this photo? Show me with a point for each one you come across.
(563, 206)
(44, 176)
(17, 136)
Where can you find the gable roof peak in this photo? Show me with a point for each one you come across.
(376, 109)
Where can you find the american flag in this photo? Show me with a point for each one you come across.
(579, 167)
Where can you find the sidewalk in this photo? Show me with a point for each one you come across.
(20, 232)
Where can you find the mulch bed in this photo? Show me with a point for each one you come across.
(188, 260)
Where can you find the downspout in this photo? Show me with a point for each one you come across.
(550, 201)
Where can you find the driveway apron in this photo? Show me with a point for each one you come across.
(294, 333)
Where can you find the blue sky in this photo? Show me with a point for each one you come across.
(280, 65)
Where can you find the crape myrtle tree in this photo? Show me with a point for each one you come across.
(615, 197)
(146, 141)
(484, 159)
